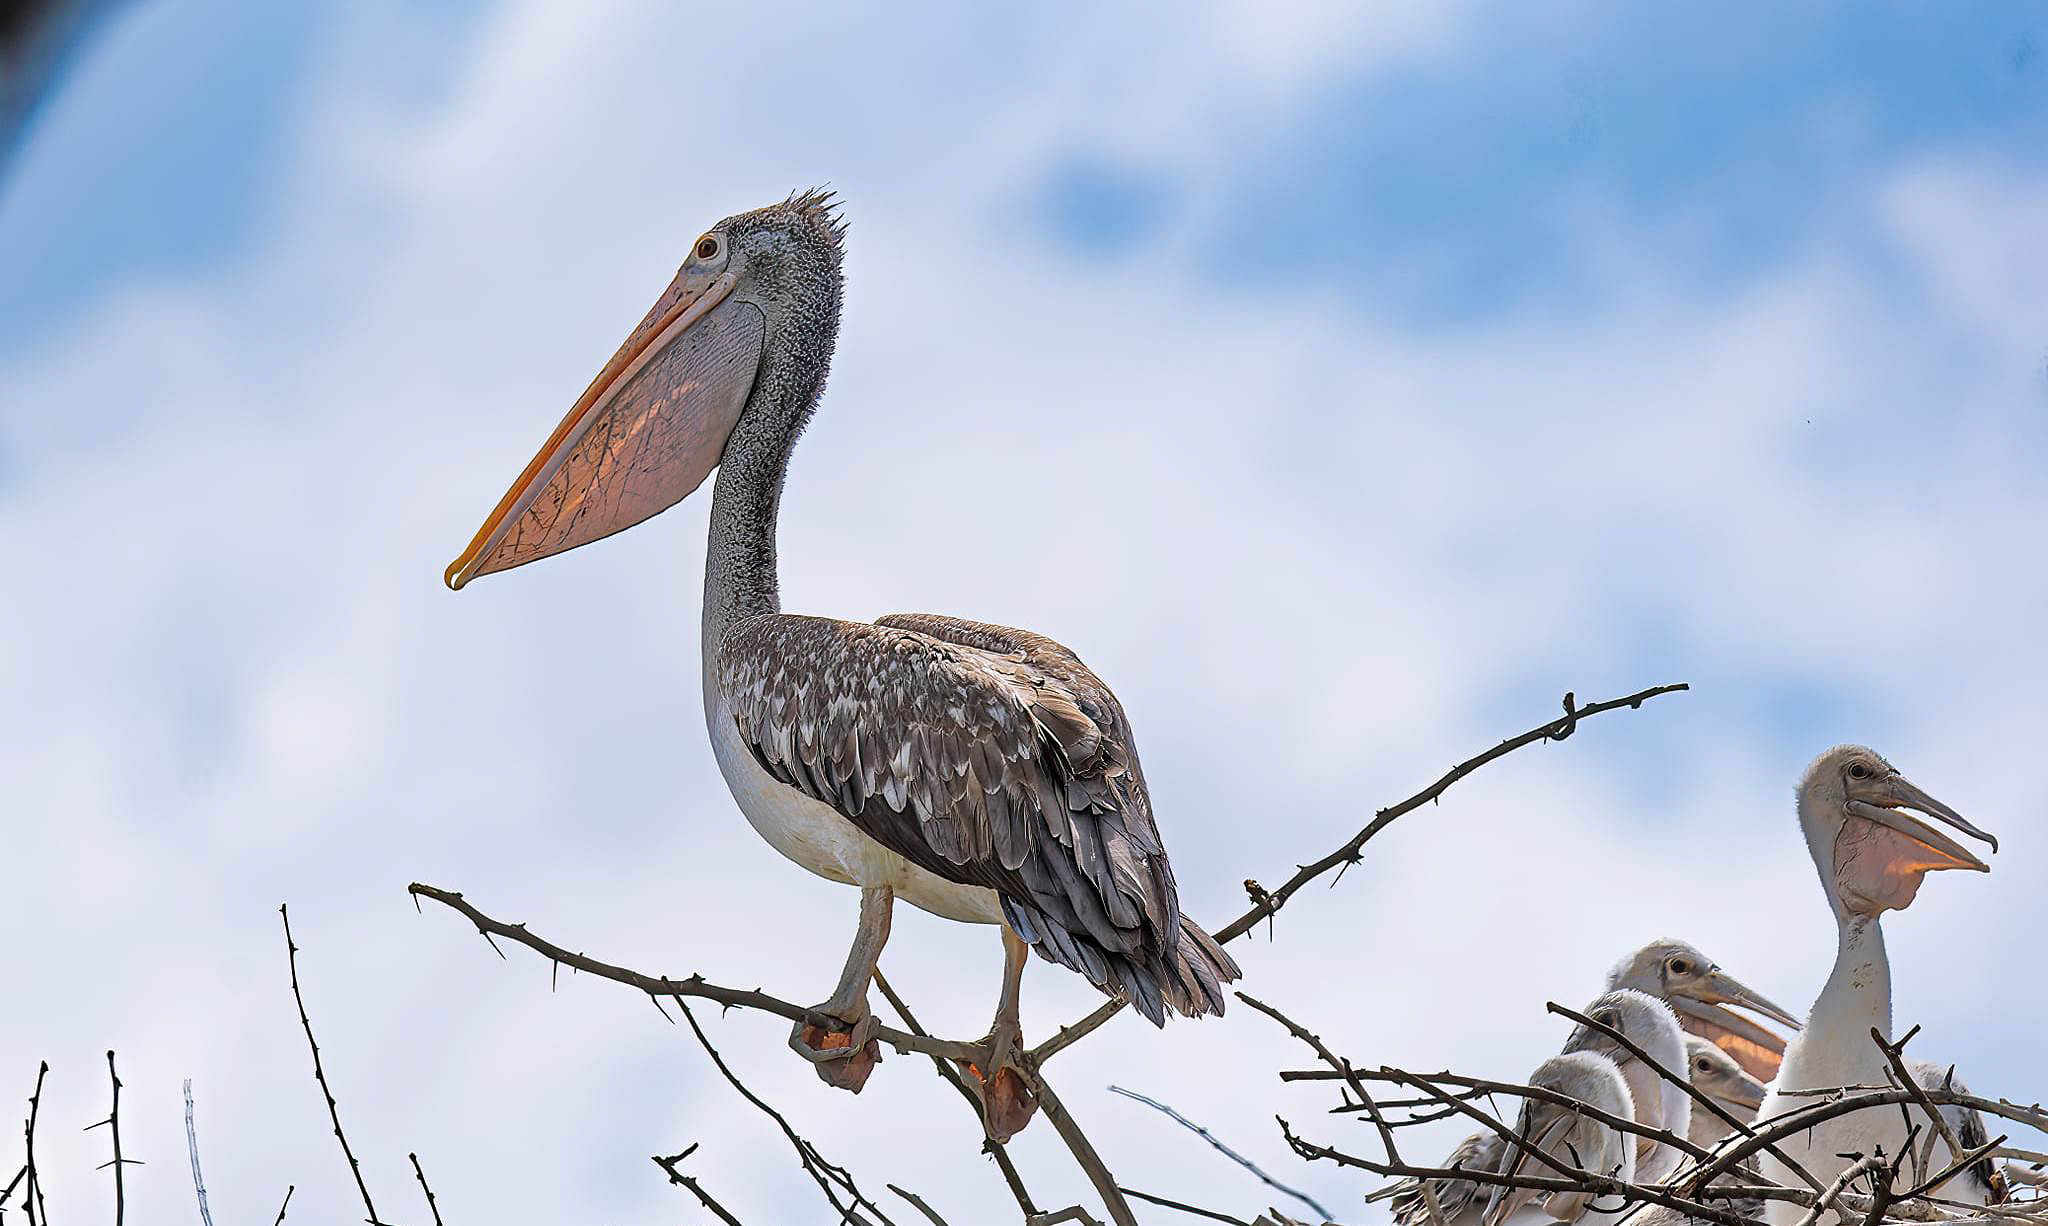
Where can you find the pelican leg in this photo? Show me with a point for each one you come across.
(1007, 1104)
(844, 1055)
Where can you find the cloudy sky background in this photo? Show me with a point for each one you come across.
(1357, 384)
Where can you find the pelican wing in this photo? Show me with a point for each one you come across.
(1005, 768)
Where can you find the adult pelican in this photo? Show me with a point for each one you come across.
(1872, 854)
(980, 773)
(1697, 990)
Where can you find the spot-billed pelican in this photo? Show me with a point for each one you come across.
(1697, 990)
(1571, 1137)
(980, 773)
(1649, 1024)
(1716, 1074)
(1872, 855)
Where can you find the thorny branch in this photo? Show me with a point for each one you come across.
(993, 1148)
(831, 1178)
(696, 1189)
(113, 1124)
(1267, 903)
(320, 1074)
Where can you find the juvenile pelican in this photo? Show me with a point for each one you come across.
(1982, 1182)
(977, 772)
(1715, 1073)
(1649, 1024)
(1696, 989)
(1574, 1139)
(1871, 855)
(1675, 973)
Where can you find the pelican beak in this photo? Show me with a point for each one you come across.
(643, 435)
(1757, 1049)
(1892, 796)
(1884, 852)
(1745, 1095)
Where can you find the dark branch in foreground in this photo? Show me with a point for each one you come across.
(432, 1207)
(993, 1148)
(320, 1074)
(831, 1178)
(113, 1124)
(696, 1189)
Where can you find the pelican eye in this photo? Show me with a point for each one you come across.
(1705, 1065)
(1858, 771)
(707, 247)
(1679, 966)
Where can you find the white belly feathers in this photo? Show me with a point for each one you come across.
(817, 836)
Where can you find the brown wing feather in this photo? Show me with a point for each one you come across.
(1009, 769)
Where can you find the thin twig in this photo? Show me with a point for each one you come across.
(1184, 1207)
(421, 1175)
(989, 1145)
(1894, 1055)
(918, 1203)
(192, 1152)
(1223, 1149)
(696, 1189)
(286, 1203)
(1856, 1170)
(825, 1173)
(1063, 1122)
(320, 1074)
(113, 1123)
(1267, 903)
(32, 1200)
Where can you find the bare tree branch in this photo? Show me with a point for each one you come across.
(1184, 1207)
(113, 1124)
(989, 1145)
(1078, 1144)
(320, 1074)
(421, 1175)
(1223, 1149)
(918, 1203)
(1267, 903)
(192, 1152)
(659, 987)
(696, 1189)
(830, 1177)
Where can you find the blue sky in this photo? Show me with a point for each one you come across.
(1405, 370)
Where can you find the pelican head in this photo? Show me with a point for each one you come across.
(1572, 1138)
(1649, 1024)
(729, 361)
(1716, 1074)
(1871, 851)
(1697, 990)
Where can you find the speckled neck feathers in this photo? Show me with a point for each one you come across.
(801, 286)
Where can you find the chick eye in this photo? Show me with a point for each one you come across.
(1679, 966)
(1703, 1066)
(707, 247)
(1858, 771)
